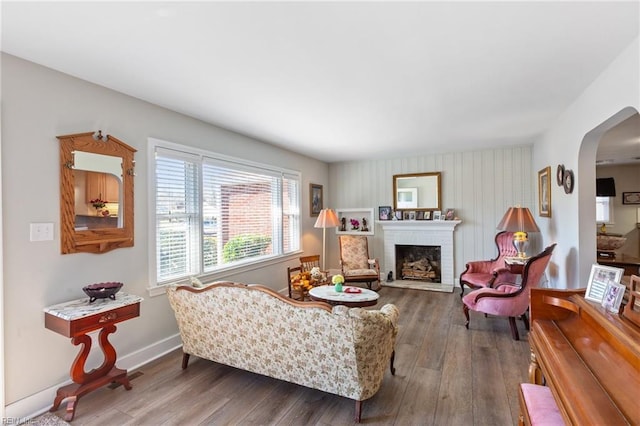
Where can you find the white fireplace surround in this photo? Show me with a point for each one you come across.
(421, 233)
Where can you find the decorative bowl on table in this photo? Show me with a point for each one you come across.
(102, 291)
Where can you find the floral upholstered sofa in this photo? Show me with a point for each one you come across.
(254, 328)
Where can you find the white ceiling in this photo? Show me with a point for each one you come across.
(336, 80)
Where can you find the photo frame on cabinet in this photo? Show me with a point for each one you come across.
(599, 278)
(450, 214)
(315, 199)
(437, 215)
(420, 215)
(613, 296)
(544, 192)
(427, 215)
(398, 214)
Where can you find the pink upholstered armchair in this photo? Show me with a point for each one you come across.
(509, 299)
(483, 273)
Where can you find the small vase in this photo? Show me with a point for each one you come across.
(338, 287)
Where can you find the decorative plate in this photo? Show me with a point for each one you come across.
(102, 291)
(568, 181)
(560, 175)
(352, 290)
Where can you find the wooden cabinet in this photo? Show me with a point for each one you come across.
(102, 185)
(358, 214)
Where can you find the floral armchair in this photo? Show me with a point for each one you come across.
(483, 273)
(355, 262)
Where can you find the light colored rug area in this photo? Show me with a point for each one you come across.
(48, 419)
(419, 285)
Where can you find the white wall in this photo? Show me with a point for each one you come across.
(37, 105)
(479, 185)
(572, 141)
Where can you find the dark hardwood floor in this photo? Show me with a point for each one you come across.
(445, 375)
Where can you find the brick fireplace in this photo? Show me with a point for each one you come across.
(428, 240)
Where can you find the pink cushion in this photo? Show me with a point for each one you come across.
(508, 307)
(478, 279)
(542, 408)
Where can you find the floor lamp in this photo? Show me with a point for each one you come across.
(326, 219)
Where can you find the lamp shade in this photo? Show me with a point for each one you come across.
(518, 219)
(327, 219)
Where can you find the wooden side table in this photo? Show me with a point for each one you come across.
(515, 265)
(77, 318)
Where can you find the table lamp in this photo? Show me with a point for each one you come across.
(519, 220)
(326, 219)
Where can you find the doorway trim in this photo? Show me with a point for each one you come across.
(587, 190)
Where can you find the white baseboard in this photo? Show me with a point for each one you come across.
(40, 402)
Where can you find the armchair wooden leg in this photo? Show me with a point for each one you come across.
(514, 328)
(393, 369)
(465, 309)
(461, 290)
(358, 411)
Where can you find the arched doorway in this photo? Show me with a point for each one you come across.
(587, 190)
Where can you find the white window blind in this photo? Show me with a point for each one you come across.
(604, 209)
(217, 213)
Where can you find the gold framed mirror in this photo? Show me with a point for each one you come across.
(96, 193)
(417, 191)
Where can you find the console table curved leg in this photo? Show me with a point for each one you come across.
(85, 382)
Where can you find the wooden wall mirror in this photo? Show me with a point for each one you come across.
(96, 193)
(417, 191)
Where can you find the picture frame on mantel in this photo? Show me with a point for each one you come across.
(544, 192)
(315, 199)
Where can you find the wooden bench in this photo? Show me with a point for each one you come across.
(537, 406)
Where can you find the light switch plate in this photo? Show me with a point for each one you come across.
(41, 232)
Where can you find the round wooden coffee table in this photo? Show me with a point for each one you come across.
(327, 293)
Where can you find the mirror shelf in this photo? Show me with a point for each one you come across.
(96, 173)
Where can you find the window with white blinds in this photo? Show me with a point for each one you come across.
(213, 213)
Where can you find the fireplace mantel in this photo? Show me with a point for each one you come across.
(421, 232)
(420, 225)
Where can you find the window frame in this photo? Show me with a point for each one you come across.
(206, 157)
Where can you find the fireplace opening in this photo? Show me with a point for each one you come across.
(418, 263)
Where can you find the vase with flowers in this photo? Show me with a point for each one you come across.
(355, 224)
(337, 281)
(98, 204)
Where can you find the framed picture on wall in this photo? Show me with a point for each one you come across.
(631, 198)
(544, 192)
(315, 199)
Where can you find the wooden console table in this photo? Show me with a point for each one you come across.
(77, 318)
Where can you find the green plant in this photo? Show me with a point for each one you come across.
(244, 246)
